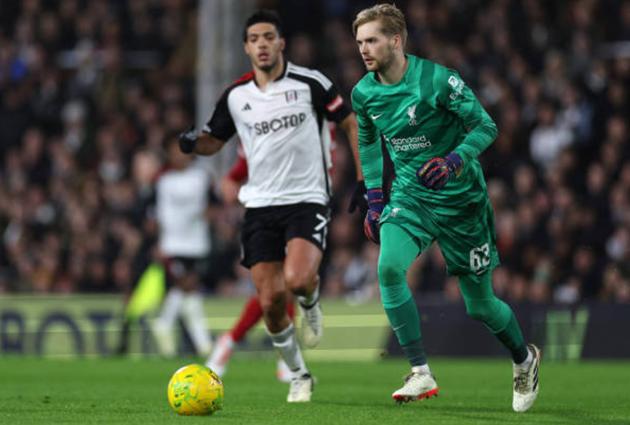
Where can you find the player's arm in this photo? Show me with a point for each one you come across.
(202, 144)
(208, 145)
(458, 98)
(368, 145)
(214, 134)
(372, 167)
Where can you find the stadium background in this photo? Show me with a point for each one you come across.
(88, 89)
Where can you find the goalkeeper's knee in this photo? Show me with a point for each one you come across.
(490, 312)
(393, 282)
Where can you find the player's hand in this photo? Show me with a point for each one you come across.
(436, 172)
(371, 224)
(188, 140)
(359, 198)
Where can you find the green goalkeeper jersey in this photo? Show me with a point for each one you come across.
(429, 113)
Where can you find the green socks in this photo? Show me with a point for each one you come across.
(405, 322)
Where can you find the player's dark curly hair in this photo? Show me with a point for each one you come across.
(269, 16)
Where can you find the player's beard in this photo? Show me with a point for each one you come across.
(269, 65)
(383, 65)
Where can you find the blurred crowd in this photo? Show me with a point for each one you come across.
(88, 90)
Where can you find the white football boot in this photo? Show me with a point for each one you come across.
(418, 386)
(301, 389)
(312, 324)
(526, 383)
(221, 356)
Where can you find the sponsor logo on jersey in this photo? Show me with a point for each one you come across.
(276, 124)
(291, 96)
(246, 107)
(457, 85)
(404, 144)
(375, 117)
(411, 111)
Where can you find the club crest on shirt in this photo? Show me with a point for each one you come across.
(291, 97)
(394, 212)
(411, 111)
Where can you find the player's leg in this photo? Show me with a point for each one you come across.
(283, 373)
(468, 242)
(498, 317)
(263, 247)
(301, 267)
(251, 314)
(306, 227)
(187, 272)
(398, 250)
(269, 280)
(194, 316)
(163, 326)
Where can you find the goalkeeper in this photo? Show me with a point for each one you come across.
(433, 128)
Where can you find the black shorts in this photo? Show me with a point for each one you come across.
(178, 267)
(267, 230)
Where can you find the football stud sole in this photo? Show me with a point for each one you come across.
(400, 399)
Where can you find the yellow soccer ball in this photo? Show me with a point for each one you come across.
(195, 390)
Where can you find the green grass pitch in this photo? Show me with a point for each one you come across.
(127, 391)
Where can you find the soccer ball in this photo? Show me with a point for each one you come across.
(195, 390)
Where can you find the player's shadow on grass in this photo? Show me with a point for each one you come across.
(483, 414)
(576, 416)
(541, 415)
(431, 406)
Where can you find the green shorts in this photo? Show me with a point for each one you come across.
(467, 240)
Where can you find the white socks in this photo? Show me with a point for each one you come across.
(309, 300)
(288, 348)
(523, 367)
(424, 368)
(170, 309)
(163, 326)
(195, 321)
(190, 306)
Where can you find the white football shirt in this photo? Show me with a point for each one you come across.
(181, 201)
(284, 135)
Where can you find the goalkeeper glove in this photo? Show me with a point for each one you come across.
(359, 198)
(371, 224)
(188, 140)
(436, 172)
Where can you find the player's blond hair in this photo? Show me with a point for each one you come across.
(391, 18)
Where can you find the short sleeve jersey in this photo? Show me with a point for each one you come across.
(284, 135)
(181, 202)
(424, 115)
